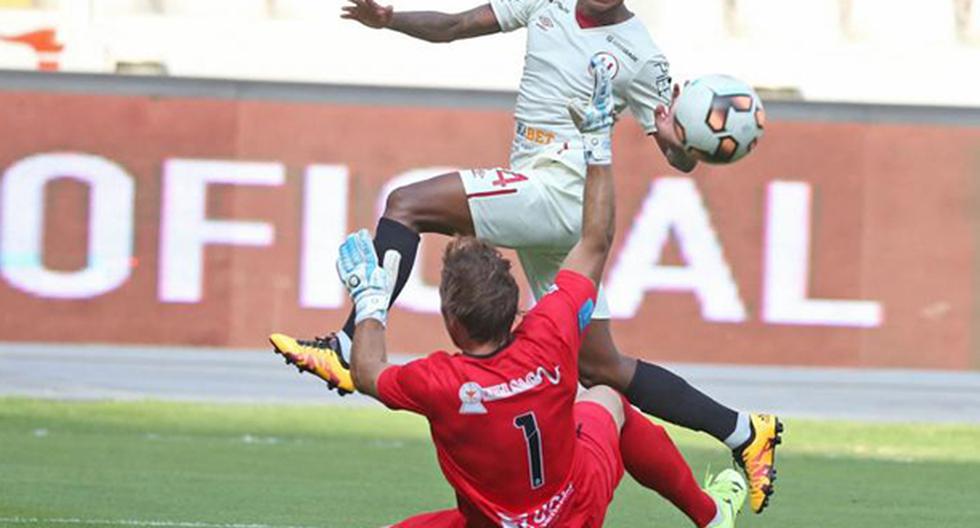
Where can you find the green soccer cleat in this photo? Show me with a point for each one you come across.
(728, 489)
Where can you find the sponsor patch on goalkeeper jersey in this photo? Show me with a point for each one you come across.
(472, 395)
(543, 515)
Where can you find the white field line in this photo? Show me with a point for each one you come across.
(133, 522)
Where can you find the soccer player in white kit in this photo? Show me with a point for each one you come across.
(535, 205)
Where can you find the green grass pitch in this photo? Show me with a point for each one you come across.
(201, 466)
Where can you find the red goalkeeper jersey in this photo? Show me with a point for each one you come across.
(503, 425)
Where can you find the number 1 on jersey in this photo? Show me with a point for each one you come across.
(528, 424)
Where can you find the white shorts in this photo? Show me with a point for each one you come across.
(536, 211)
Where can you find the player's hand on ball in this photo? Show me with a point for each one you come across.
(369, 13)
(662, 114)
(370, 285)
(595, 118)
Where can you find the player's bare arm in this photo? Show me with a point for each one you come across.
(430, 26)
(588, 256)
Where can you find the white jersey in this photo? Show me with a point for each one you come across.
(556, 70)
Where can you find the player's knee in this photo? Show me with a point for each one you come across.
(589, 374)
(402, 206)
(605, 367)
(609, 399)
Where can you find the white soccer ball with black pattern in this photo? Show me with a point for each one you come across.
(719, 119)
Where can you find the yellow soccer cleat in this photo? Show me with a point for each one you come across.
(318, 357)
(758, 459)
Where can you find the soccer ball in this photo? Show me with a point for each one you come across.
(719, 117)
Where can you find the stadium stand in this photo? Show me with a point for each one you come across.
(302, 9)
(668, 20)
(18, 57)
(911, 23)
(223, 9)
(769, 22)
(806, 46)
(971, 16)
(127, 7)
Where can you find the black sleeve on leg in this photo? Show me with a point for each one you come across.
(401, 238)
(665, 395)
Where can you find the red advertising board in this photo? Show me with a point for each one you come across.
(183, 221)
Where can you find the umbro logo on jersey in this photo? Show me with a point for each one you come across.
(545, 22)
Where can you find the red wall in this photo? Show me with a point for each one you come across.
(892, 221)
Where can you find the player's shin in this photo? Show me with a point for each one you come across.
(752, 437)
(651, 458)
(665, 395)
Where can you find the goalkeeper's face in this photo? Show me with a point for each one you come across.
(479, 294)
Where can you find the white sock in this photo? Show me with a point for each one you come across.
(345, 345)
(718, 515)
(742, 432)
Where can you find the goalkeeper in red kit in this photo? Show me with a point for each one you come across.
(517, 443)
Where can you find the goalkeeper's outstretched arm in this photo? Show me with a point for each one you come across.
(595, 120)
(589, 255)
(370, 356)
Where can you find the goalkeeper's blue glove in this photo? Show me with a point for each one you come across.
(595, 118)
(370, 285)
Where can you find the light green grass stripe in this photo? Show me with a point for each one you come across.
(285, 423)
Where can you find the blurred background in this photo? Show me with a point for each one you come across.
(876, 51)
(177, 176)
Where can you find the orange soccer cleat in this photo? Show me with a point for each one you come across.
(758, 459)
(318, 357)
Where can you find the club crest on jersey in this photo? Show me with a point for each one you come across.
(608, 60)
(471, 396)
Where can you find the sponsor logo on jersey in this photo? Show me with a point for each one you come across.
(622, 47)
(534, 135)
(472, 396)
(543, 515)
(664, 81)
